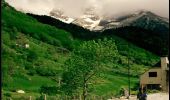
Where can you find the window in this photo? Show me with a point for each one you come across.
(154, 86)
(152, 74)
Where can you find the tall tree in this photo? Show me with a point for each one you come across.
(85, 63)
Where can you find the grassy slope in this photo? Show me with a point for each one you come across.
(22, 71)
(18, 29)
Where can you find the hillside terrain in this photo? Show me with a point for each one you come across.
(36, 57)
(144, 29)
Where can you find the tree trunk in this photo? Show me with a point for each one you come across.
(45, 98)
(30, 97)
(85, 89)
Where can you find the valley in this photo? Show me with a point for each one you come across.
(42, 55)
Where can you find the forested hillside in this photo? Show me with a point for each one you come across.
(153, 37)
(38, 58)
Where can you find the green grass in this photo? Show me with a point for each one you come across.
(114, 82)
(30, 84)
(18, 21)
(17, 96)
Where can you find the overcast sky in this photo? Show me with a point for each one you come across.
(103, 7)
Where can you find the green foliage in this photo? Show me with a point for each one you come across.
(8, 94)
(14, 33)
(134, 92)
(85, 62)
(97, 67)
(20, 22)
(21, 98)
(32, 56)
(46, 71)
(41, 97)
(50, 90)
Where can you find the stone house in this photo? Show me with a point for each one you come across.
(157, 77)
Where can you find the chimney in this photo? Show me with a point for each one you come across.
(164, 63)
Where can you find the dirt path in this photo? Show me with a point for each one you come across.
(155, 96)
(158, 96)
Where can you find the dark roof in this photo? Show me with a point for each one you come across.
(158, 64)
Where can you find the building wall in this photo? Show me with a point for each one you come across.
(145, 79)
(164, 62)
(162, 75)
(164, 67)
(164, 82)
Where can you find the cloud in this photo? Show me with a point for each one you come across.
(103, 7)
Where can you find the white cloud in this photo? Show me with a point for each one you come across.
(106, 7)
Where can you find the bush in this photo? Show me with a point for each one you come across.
(31, 72)
(41, 97)
(46, 71)
(13, 33)
(7, 94)
(134, 92)
(50, 90)
(28, 66)
(32, 55)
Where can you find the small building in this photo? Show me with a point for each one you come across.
(157, 77)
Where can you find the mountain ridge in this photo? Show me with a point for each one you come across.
(92, 21)
(142, 37)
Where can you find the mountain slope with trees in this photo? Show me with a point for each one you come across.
(39, 58)
(149, 31)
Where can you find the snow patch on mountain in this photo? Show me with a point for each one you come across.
(92, 21)
(58, 14)
(88, 21)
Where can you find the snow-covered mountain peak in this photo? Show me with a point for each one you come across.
(59, 14)
(89, 20)
(95, 22)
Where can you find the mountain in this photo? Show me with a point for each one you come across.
(59, 14)
(94, 22)
(144, 29)
(88, 20)
(142, 19)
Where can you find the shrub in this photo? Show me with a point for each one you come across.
(7, 94)
(41, 97)
(31, 72)
(32, 55)
(28, 66)
(14, 33)
(133, 92)
(45, 71)
(50, 90)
